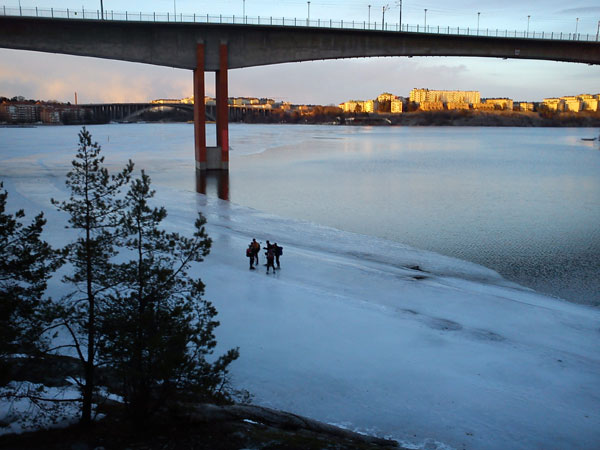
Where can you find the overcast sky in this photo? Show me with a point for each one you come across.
(50, 76)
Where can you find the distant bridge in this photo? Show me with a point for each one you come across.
(128, 112)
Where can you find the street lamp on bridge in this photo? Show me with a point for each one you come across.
(528, 17)
(369, 21)
(384, 9)
(478, 14)
(425, 25)
(576, 26)
(308, 16)
(399, 4)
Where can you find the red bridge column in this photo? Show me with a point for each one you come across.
(222, 107)
(199, 110)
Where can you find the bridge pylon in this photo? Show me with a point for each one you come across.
(211, 158)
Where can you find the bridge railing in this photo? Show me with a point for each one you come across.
(60, 13)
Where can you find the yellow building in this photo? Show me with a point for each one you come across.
(590, 102)
(396, 106)
(161, 101)
(357, 106)
(426, 95)
(431, 106)
(350, 106)
(484, 106)
(386, 97)
(457, 105)
(526, 106)
(572, 103)
(500, 103)
(553, 104)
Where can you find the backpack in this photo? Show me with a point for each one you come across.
(279, 251)
(248, 252)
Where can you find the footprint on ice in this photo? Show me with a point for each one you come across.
(443, 324)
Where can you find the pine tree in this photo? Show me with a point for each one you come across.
(26, 263)
(94, 208)
(158, 330)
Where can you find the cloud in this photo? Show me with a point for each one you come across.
(49, 76)
(581, 10)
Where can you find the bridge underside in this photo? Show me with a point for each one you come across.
(174, 44)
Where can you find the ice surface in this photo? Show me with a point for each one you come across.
(382, 338)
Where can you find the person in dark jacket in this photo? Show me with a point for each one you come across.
(250, 255)
(278, 253)
(270, 258)
(256, 250)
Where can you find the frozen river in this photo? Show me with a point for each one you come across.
(358, 330)
(522, 201)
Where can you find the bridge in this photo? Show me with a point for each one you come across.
(219, 47)
(126, 112)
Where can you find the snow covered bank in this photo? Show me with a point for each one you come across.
(349, 332)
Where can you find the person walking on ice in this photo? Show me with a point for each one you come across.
(278, 253)
(270, 258)
(256, 250)
(250, 255)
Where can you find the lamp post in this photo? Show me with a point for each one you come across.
(528, 17)
(598, 30)
(369, 21)
(478, 14)
(308, 15)
(576, 26)
(399, 3)
(244, 10)
(102, 9)
(384, 9)
(425, 25)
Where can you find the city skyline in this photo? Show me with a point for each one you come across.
(50, 76)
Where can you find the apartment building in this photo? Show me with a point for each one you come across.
(457, 105)
(574, 103)
(590, 102)
(428, 96)
(431, 106)
(19, 112)
(500, 103)
(526, 106)
(396, 106)
(356, 106)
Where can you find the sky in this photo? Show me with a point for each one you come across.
(57, 77)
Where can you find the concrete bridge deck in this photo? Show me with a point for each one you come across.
(173, 44)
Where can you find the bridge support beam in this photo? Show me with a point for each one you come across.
(199, 110)
(222, 107)
(209, 158)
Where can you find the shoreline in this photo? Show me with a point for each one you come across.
(458, 118)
